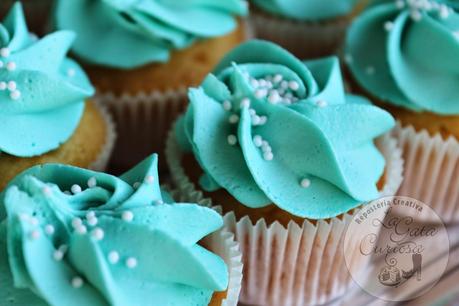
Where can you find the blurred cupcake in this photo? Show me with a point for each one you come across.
(111, 243)
(289, 157)
(142, 55)
(404, 55)
(307, 28)
(37, 13)
(43, 113)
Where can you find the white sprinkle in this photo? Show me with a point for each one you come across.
(71, 72)
(370, 70)
(11, 66)
(90, 214)
(5, 52)
(277, 78)
(273, 97)
(255, 120)
(12, 85)
(82, 230)
(254, 83)
(400, 4)
(149, 179)
(444, 12)
(98, 233)
(3, 86)
(348, 58)
(416, 15)
(263, 120)
(262, 83)
(77, 282)
(77, 222)
(113, 257)
(127, 216)
(58, 255)
(261, 93)
(34, 235)
(252, 112)
(49, 229)
(227, 105)
(136, 185)
(284, 84)
(46, 191)
(305, 183)
(159, 202)
(34, 221)
(388, 25)
(232, 140)
(257, 140)
(92, 182)
(322, 103)
(92, 221)
(75, 189)
(268, 156)
(24, 217)
(293, 85)
(131, 262)
(245, 102)
(233, 118)
(15, 94)
(267, 148)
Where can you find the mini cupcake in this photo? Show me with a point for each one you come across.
(308, 28)
(114, 242)
(289, 157)
(43, 113)
(404, 55)
(37, 12)
(141, 55)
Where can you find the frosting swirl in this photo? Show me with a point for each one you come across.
(271, 129)
(41, 91)
(109, 244)
(307, 10)
(390, 57)
(127, 34)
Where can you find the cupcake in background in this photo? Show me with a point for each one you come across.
(404, 56)
(37, 13)
(290, 158)
(307, 28)
(142, 55)
(43, 114)
(89, 238)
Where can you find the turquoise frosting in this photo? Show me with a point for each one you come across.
(307, 10)
(406, 54)
(302, 143)
(157, 259)
(129, 33)
(41, 91)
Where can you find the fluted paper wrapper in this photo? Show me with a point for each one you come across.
(224, 245)
(304, 39)
(297, 265)
(431, 170)
(143, 121)
(101, 162)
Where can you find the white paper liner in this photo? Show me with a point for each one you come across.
(304, 39)
(431, 170)
(101, 162)
(294, 265)
(224, 245)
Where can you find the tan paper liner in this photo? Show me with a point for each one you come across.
(304, 39)
(431, 170)
(224, 245)
(101, 162)
(296, 265)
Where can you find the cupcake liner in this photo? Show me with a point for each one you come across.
(305, 39)
(224, 245)
(431, 170)
(101, 162)
(297, 265)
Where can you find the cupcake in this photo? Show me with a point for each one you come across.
(392, 62)
(308, 28)
(37, 12)
(45, 114)
(78, 237)
(290, 158)
(141, 55)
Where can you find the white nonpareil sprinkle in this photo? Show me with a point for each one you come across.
(149, 179)
(245, 102)
(131, 262)
(90, 214)
(416, 15)
(127, 216)
(370, 70)
(233, 118)
(77, 222)
(92, 221)
(268, 156)
(49, 229)
(71, 72)
(5, 52)
(257, 140)
(3, 85)
(400, 4)
(34, 235)
(232, 140)
(77, 282)
(293, 85)
(274, 97)
(15, 94)
(98, 233)
(113, 257)
(263, 120)
(136, 185)
(75, 189)
(58, 255)
(34, 221)
(227, 105)
(261, 93)
(254, 83)
(305, 183)
(255, 120)
(388, 25)
(277, 78)
(348, 58)
(82, 230)
(12, 85)
(252, 112)
(92, 182)
(11, 66)
(321, 103)
(46, 191)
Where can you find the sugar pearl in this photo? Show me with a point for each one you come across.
(77, 282)
(149, 179)
(98, 234)
(92, 182)
(293, 85)
(321, 103)
(268, 156)
(233, 118)
(75, 189)
(15, 94)
(34, 235)
(5, 52)
(232, 140)
(305, 183)
(127, 216)
(227, 105)
(388, 25)
(257, 140)
(58, 255)
(3, 85)
(131, 262)
(245, 102)
(49, 229)
(11, 66)
(113, 257)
